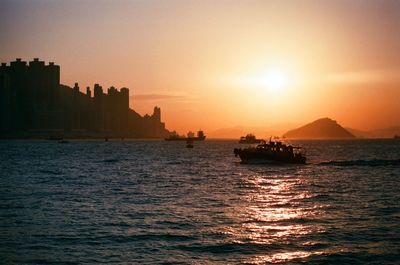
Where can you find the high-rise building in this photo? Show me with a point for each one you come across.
(34, 103)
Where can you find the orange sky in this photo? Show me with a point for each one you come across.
(207, 63)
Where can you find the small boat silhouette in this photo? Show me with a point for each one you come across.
(189, 143)
(175, 137)
(249, 139)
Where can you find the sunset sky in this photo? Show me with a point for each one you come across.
(216, 64)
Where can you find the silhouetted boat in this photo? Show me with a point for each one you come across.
(189, 143)
(272, 152)
(175, 137)
(62, 141)
(54, 138)
(250, 139)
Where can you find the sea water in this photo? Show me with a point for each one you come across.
(157, 202)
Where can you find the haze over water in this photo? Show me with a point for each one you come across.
(156, 202)
(218, 64)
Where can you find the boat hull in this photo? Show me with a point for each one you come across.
(256, 141)
(252, 156)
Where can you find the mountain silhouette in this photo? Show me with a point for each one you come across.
(320, 129)
(388, 132)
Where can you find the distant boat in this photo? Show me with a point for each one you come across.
(272, 153)
(250, 139)
(62, 141)
(175, 137)
(189, 143)
(54, 138)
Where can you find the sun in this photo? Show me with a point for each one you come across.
(274, 80)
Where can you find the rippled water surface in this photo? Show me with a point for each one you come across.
(156, 202)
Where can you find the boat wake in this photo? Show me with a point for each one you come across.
(369, 163)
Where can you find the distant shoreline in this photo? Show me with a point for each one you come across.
(162, 139)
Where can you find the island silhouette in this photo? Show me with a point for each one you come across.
(324, 128)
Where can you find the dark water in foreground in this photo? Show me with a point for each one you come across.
(152, 202)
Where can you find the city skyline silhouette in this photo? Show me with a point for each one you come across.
(35, 105)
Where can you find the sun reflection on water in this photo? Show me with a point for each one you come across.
(282, 257)
(273, 213)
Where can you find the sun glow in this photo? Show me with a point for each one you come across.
(272, 82)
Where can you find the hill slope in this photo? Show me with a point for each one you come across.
(320, 129)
